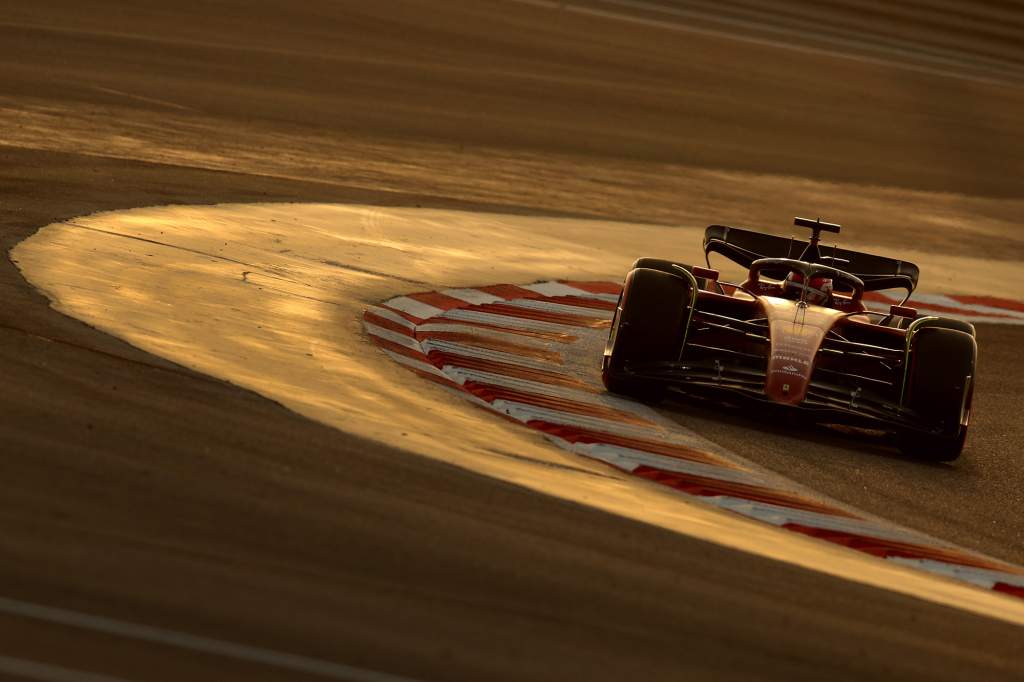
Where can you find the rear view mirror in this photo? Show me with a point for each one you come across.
(903, 311)
(706, 273)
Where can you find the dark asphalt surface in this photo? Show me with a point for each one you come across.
(136, 489)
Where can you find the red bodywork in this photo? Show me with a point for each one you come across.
(796, 332)
(787, 347)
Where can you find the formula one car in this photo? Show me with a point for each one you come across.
(796, 333)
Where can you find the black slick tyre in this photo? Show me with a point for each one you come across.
(939, 388)
(667, 266)
(649, 326)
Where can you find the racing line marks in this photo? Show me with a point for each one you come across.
(170, 638)
(509, 348)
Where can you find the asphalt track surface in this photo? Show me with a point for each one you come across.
(140, 491)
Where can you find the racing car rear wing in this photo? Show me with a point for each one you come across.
(743, 247)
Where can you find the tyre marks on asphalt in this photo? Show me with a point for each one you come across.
(166, 641)
(514, 349)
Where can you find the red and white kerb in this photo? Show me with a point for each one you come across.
(509, 347)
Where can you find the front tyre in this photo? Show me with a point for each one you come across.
(939, 388)
(667, 266)
(649, 326)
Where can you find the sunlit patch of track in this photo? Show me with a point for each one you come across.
(518, 350)
(272, 298)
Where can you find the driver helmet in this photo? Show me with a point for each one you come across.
(818, 290)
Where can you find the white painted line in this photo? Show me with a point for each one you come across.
(394, 337)
(31, 670)
(965, 316)
(978, 576)
(973, 319)
(473, 296)
(509, 321)
(560, 308)
(390, 315)
(993, 309)
(463, 374)
(454, 327)
(416, 364)
(556, 289)
(655, 432)
(524, 413)
(629, 459)
(413, 307)
(778, 515)
(968, 308)
(140, 98)
(969, 312)
(181, 640)
(553, 289)
(444, 346)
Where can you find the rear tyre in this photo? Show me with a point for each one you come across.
(940, 385)
(649, 326)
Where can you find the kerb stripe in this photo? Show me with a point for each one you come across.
(515, 349)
